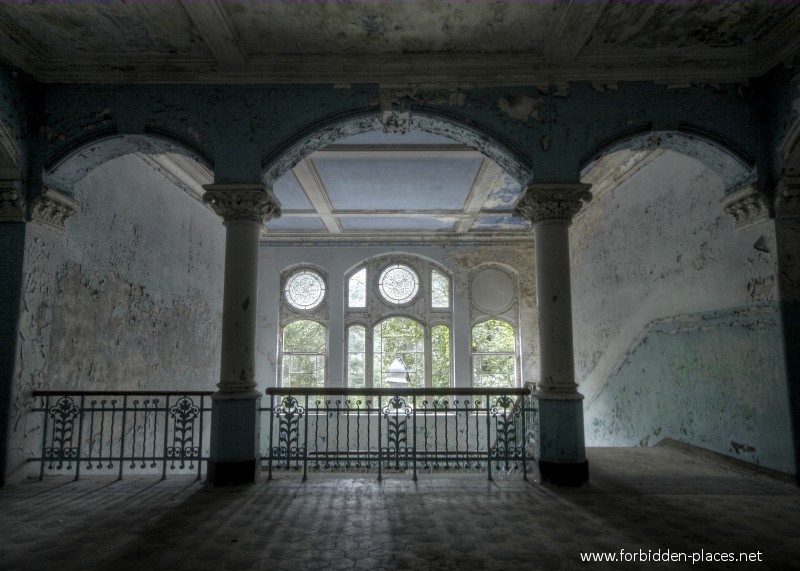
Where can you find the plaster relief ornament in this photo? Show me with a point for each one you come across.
(787, 201)
(52, 209)
(748, 206)
(552, 201)
(242, 202)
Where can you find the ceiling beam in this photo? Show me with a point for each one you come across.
(214, 27)
(312, 185)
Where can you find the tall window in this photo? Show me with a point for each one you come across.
(304, 353)
(303, 347)
(356, 357)
(493, 354)
(440, 357)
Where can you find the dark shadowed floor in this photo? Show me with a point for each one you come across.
(646, 499)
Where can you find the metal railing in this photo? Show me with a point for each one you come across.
(112, 433)
(390, 430)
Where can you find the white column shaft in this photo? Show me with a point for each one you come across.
(240, 300)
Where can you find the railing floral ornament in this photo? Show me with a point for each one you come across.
(184, 415)
(289, 413)
(396, 413)
(509, 443)
(61, 449)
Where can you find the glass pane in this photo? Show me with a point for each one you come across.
(303, 370)
(398, 284)
(440, 356)
(399, 338)
(305, 289)
(356, 357)
(440, 289)
(357, 289)
(493, 371)
(304, 336)
(493, 336)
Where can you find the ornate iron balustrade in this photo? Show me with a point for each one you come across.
(382, 430)
(112, 433)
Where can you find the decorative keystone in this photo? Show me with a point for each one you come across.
(253, 202)
(748, 206)
(52, 209)
(552, 201)
(12, 203)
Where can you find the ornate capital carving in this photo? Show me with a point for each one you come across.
(253, 202)
(748, 206)
(12, 203)
(552, 201)
(787, 198)
(52, 209)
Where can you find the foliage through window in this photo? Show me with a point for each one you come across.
(493, 354)
(398, 338)
(440, 290)
(304, 354)
(357, 289)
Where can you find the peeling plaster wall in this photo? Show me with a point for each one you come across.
(676, 325)
(128, 298)
(461, 260)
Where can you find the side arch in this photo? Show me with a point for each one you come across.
(64, 170)
(735, 168)
(328, 131)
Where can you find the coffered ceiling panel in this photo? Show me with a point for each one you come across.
(290, 193)
(397, 184)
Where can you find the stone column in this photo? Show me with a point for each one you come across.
(235, 456)
(550, 208)
(787, 238)
(12, 256)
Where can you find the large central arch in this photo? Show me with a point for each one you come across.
(328, 131)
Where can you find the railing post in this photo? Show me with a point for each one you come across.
(44, 436)
(271, 431)
(488, 441)
(166, 430)
(80, 440)
(523, 410)
(122, 435)
(305, 443)
(380, 438)
(414, 423)
(200, 440)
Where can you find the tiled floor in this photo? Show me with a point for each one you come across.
(639, 499)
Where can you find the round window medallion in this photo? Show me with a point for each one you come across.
(492, 290)
(305, 289)
(398, 284)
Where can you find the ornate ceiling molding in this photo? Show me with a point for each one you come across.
(52, 209)
(555, 201)
(253, 202)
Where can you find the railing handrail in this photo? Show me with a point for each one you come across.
(73, 393)
(461, 391)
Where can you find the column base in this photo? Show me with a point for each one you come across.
(567, 474)
(221, 473)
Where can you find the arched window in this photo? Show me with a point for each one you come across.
(303, 355)
(398, 338)
(493, 354)
(398, 306)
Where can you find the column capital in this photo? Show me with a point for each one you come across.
(748, 206)
(552, 201)
(52, 208)
(12, 202)
(253, 202)
(787, 198)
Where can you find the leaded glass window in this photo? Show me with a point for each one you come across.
(356, 356)
(493, 354)
(440, 290)
(305, 289)
(357, 289)
(398, 284)
(440, 357)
